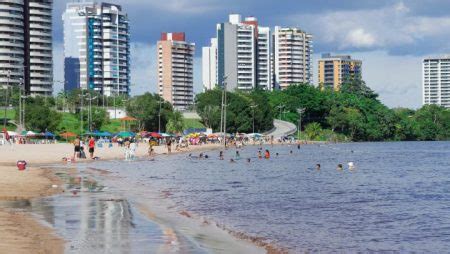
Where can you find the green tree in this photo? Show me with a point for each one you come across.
(313, 131)
(146, 107)
(175, 123)
(40, 117)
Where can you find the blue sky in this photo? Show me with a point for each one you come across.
(390, 36)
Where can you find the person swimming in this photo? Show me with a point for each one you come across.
(259, 154)
(277, 154)
(232, 160)
(298, 146)
(200, 156)
(340, 167)
(267, 154)
(206, 156)
(291, 152)
(238, 156)
(351, 165)
(318, 166)
(248, 160)
(221, 155)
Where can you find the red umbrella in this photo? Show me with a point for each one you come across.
(155, 135)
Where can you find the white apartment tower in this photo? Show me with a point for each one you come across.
(175, 70)
(26, 45)
(96, 48)
(209, 65)
(436, 81)
(264, 77)
(292, 57)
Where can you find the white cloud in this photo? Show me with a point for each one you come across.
(383, 28)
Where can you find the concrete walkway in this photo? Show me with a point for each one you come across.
(282, 128)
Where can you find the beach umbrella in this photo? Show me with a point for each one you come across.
(13, 134)
(48, 134)
(166, 135)
(30, 134)
(155, 135)
(104, 134)
(67, 135)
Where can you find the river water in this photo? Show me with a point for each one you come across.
(397, 198)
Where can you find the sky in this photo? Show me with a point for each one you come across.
(391, 37)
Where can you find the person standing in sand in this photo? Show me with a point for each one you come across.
(169, 146)
(77, 147)
(91, 147)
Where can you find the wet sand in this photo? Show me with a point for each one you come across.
(20, 232)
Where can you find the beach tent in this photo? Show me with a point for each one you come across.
(165, 135)
(48, 134)
(13, 133)
(67, 135)
(255, 135)
(125, 134)
(29, 133)
(125, 120)
(104, 134)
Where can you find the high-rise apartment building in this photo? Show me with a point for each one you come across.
(335, 70)
(26, 45)
(239, 55)
(96, 48)
(175, 70)
(292, 57)
(209, 65)
(436, 81)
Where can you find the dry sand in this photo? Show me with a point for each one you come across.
(19, 231)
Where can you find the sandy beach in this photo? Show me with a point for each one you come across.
(20, 231)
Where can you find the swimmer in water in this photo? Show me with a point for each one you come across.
(221, 155)
(291, 152)
(340, 167)
(318, 166)
(232, 161)
(259, 154)
(238, 156)
(200, 156)
(351, 166)
(248, 160)
(267, 154)
(277, 154)
(298, 146)
(206, 156)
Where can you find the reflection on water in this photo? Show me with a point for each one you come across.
(397, 198)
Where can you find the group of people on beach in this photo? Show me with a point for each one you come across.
(79, 148)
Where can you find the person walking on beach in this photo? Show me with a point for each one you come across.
(169, 146)
(77, 148)
(91, 145)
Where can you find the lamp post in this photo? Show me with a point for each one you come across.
(224, 110)
(300, 112)
(6, 98)
(281, 106)
(90, 111)
(253, 107)
(159, 115)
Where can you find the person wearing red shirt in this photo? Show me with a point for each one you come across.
(91, 147)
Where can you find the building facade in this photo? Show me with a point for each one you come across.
(436, 81)
(292, 54)
(209, 65)
(26, 45)
(239, 56)
(333, 71)
(175, 70)
(96, 48)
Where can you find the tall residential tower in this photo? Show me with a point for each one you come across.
(292, 57)
(26, 45)
(436, 81)
(335, 70)
(96, 48)
(175, 70)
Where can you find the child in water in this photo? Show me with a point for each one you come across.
(259, 154)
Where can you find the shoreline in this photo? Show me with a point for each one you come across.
(38, 179)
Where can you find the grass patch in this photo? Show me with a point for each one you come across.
(192, 123)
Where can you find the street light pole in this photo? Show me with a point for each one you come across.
(253, 107)
(159, 116)
(281, 106)
(7, 99)
(225, 112)
(300, 112)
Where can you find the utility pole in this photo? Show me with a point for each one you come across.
(253, 107)
(300, 112)
(81, 112)
(281, 106)
(7, 99)
(224, 106)
(159, 116)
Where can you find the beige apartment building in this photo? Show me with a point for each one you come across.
(175, 70)
(334, 70)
